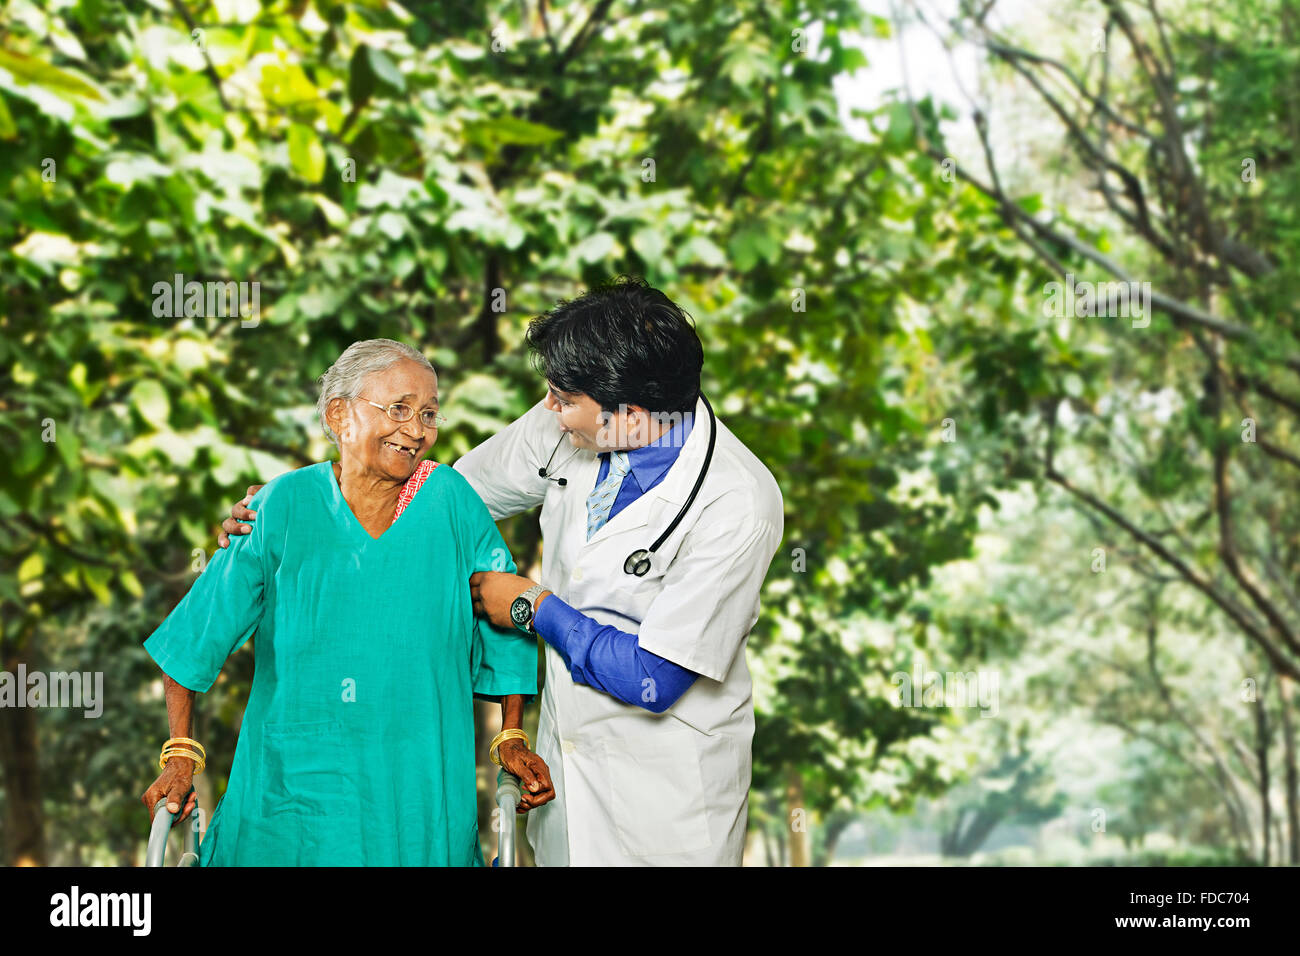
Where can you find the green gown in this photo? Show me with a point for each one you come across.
(357, 745)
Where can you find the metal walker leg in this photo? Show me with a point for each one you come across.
(508, 795)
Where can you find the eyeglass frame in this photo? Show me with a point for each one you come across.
(439, 418)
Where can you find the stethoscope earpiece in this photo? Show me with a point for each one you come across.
(541, 472)
(638, 562)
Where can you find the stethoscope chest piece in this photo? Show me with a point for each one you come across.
(638, 563)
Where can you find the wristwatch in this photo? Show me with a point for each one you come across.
(523, 608)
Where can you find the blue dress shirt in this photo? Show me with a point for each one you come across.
(602, 656)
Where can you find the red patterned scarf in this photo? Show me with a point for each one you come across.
(422, 472)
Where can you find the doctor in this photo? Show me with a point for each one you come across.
(651, 569)
(658, 527)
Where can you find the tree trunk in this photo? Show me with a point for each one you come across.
(969, 832)
(1261, 752)
(796, 823)
(1292, 797)
(835, 826)
(24, 820)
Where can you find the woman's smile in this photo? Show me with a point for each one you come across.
(406, 451)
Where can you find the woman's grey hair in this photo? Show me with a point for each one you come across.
(360, 359)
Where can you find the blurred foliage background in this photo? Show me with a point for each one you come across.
(1092, 514)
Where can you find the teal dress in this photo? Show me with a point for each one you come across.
(357, 745)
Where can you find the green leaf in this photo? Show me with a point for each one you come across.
(749, 246)
(1033, 203)
(150, 399)
(128, 169)
(372, 69)
(97, 579)
(30, 455)
(745, 64)
(332, 211)
(31, 568)
(361, 76)
(901, 127)
(386, 70)
(595, 247)
(703, 250)
(509, 130)
(131, 583)
(744, 252)
(648, 242)
(7, 128)
(848, 59)
(306, 155)
(391, 224)
(48, 77)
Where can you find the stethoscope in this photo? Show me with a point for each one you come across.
(638, 562)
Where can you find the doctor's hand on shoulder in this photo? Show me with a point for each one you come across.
(239, 514)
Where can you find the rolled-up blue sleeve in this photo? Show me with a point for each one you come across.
(609, 660)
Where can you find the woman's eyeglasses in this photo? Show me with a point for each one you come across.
(399, 412)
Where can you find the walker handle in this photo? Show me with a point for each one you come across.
(162, 825)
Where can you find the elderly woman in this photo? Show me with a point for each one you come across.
(357, 745)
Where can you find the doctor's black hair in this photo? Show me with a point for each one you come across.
(622, 342)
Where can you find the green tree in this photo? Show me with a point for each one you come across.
(439, 174)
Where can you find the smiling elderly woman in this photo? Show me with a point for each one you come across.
(357, 745)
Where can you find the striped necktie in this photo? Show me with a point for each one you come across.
(602, 497)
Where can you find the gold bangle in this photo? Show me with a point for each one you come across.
(198, 767)
(176, 752)
(168, 753)
(510, 733)
(185, 740)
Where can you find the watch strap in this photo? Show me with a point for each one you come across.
(531, 597)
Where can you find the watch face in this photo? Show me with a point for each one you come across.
(521, 611)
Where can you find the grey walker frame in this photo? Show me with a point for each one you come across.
(508, 796)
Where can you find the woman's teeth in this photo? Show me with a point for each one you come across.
(408, 451)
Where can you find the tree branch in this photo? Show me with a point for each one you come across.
(1238, 614)
(1182, 313)
(208, 68)
(584, 32)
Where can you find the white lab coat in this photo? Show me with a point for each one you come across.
(635, 788)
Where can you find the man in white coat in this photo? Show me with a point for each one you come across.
(652, 565)
(647, 714)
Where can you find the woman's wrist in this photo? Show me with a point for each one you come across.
(185, 748)
(507, 735)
